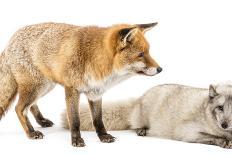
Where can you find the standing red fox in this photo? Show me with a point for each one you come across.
(85, 60)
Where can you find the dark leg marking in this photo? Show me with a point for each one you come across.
(96, 111)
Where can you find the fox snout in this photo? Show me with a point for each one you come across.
(151, 71)
(151, 67)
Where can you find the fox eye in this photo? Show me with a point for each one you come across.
(141, 54)
(220, 108)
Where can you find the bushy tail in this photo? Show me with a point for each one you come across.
(8, 87)
(115, 115)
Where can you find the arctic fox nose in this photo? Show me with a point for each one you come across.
(159, 69)
(224, 125)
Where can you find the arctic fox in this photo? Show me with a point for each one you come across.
(172, 111)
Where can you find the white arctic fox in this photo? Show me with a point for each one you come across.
(174, 112)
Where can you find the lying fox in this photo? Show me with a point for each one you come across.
(86, 60)
(174, 112)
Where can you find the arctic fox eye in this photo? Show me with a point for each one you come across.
(141, 54)
(220, 108)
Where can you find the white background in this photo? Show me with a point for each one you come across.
(192, 43)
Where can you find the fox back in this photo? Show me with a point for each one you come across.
(77, 55)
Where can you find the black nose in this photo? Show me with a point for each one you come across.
(159, 69)
(224, 125)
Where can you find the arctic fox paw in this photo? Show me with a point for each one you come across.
(141, 132)
(227, 144)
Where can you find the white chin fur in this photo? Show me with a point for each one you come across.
(150, 71)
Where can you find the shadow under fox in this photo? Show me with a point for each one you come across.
(86, 60)
(174, 112)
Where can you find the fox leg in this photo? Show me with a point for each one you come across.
(209, 139)
(27, 96)
(72, 97)
(44, 122)
(96, 111)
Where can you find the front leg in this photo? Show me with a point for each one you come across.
(96, 111)
(72, 97)
(209, 139)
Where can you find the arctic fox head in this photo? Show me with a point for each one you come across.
(220, 103)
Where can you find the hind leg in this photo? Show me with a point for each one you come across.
(43, 89)
(27, 97)
(44, 122)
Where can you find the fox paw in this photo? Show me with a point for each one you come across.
(78, 142)
(106, 138)
(45, 123)
(226, 144)
(141, 132)
(36, 135)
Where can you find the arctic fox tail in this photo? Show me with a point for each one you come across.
(8, 88)
(115, 116)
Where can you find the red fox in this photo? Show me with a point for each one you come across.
(86, 60)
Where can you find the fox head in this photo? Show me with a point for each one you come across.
(131, 50)
(220, 104)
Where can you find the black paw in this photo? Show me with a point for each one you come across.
(141, 132)
(107, 138)
(45, 123)
(36, 135)
(78, 142)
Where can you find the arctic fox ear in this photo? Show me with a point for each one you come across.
(145, 27)
(127, 34)
(212, 91)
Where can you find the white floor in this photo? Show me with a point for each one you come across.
(57, 141)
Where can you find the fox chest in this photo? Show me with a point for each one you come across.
(94, 89)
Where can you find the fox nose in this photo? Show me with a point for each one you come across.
(224, 125)
(159, 69)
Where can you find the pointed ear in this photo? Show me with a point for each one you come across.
(127, 34)
(146, 27)
(212, 91)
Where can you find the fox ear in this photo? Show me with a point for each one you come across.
(127, 34)
(212, 91)
(146, 27)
